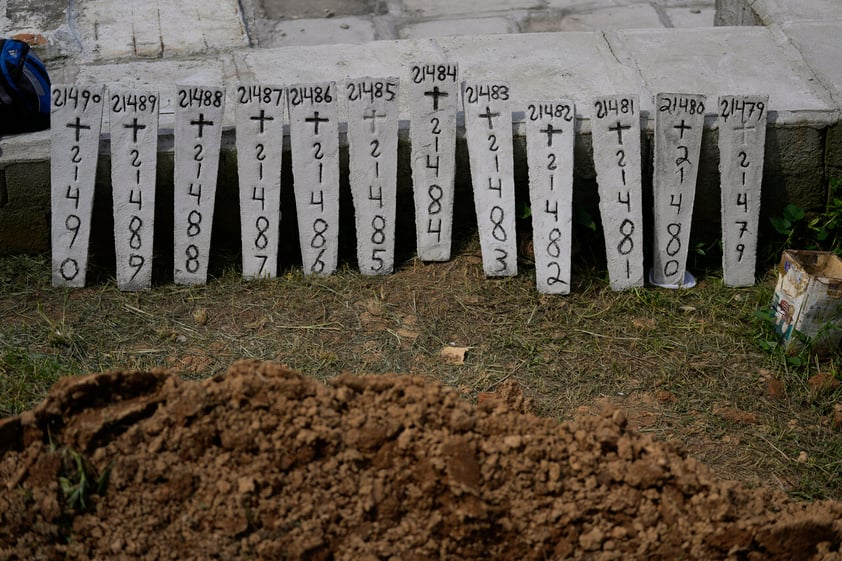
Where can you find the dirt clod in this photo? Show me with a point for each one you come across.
(263, 463)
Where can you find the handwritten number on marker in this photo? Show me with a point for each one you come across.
(135, 224)
(72, 223)
(497, 215)
(262, 225)
(192, 262)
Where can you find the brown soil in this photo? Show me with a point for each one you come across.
(263, 463)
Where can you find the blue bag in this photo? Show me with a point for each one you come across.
(24, 89)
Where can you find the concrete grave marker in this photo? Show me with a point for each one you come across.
(373, 152)
(488, 131)
(133, 120)
(550, 130)
(314, 136)
(679, 121)
(615, 129)
(742, 138)
(76, 121)
(433, 93)
(259, 116)
(198, 134)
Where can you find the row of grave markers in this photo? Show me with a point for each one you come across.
(372, 105)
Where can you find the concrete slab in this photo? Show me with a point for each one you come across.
(819, 44)
(781, 12)
(690, 17)
(472, 26)
(588, 67)
(448, 8)
(109, 29)
(719, 61)
(324, 31)
(620, 17)
(298, 9)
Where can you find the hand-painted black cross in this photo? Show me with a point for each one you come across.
(681, 128)
(262, 118)
(436, 94)
(489, 115)
(78, 126)
(744, 129)
(373, 118)
(550, 131)
(201, 123)
(619, 129)
(135, 127)
(316, 120)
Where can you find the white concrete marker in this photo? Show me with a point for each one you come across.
(314, 136)
(259, 114)
(433, 94)
(76, 120)
(550, 130)
(679, 120)
(488, 131)
(373, 155)
(133, 120)
(198, 134)
(615, 129)
(742, 138)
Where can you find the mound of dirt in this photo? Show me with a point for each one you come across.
(263, 463)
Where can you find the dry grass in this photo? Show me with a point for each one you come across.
(686, 365)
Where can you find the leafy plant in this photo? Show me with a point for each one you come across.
(81, 481)
(813, 230)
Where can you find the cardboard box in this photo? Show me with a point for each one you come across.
(808, 300)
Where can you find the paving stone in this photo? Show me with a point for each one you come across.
(718, 61)
(690, 16)
(324, 31)
(446, 8)
(784, 11)
(444, 27)
(818, 43)
(297, 9)
(110, 30)
(572, 6)
(621, 17)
